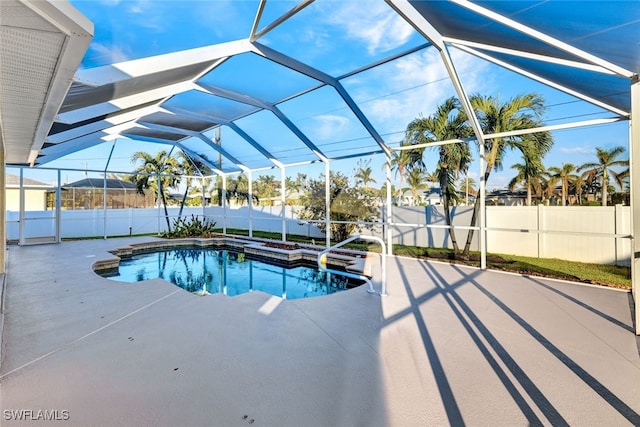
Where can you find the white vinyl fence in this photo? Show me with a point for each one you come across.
(588, 234)
(121, 222)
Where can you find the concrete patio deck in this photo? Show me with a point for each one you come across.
(448, 346)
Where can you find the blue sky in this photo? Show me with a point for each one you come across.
(334, 36)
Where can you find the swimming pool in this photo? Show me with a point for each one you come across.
(209, 271)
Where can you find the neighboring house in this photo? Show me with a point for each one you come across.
(430, 197)
(506, 198)
(35, 198)
(88, 193)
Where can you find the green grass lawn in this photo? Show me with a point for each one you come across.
(606, 275)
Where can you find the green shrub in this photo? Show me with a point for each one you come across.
(191, 227)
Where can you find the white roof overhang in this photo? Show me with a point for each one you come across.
(41, 46)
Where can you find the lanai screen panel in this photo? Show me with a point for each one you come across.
(96, 155)
(240, 148)
(596, 27)
(178, 122)
(394, 93)
(81, 95)
(258, 77)
(202, 151)
(318, 34)
(165, 19)
(146, 134)
(272, 134)
(324, 117)
(207, 106)
(342, 39)
(567, 22)
(274, 10)
(607, 88)
(125, 148)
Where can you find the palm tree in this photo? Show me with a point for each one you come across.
(467, 186)
(158, 173)
(266, 186)
(415, 180)
(190, 167)
(549, 186)
(521, 177)
(520, 112)
(362, 173)
(234, 188)
(530, 171)
(564, 175)
(602, 168)
(448, 122)
(577, 187)
(623, 179)
(402, 161)
(432, 177)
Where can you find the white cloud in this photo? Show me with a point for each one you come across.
(373, 23)
(329, 126)
(109, 54)
(414, 86)
(154, 16)
(576, 150)
(140, 6)
(226, 19)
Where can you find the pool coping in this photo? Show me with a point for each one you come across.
(353, 261)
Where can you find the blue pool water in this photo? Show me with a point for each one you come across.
(203, 271)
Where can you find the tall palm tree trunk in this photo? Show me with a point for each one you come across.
(444, 189)
(476, 206)
(164, 204)
(528, 194)
(184, 200)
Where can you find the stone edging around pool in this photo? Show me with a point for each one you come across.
(353, 261)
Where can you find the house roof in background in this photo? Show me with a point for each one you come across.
(111, 183)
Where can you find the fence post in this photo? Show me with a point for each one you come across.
(58, 211)
(617, 225)
(283, 201)
(21, 215)
(540, 230)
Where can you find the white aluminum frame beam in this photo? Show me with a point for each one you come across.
(246, 99)
(417, 21)
(198, 135)
(195, 155)
(113, 73)
(101, 125)
(528, 55)
(59, 150)
(316, 74)
(634, 164)
(157, 95)
(233, 126)
(585, 123)
(543, 80)
(255, 34)
(543, 37)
